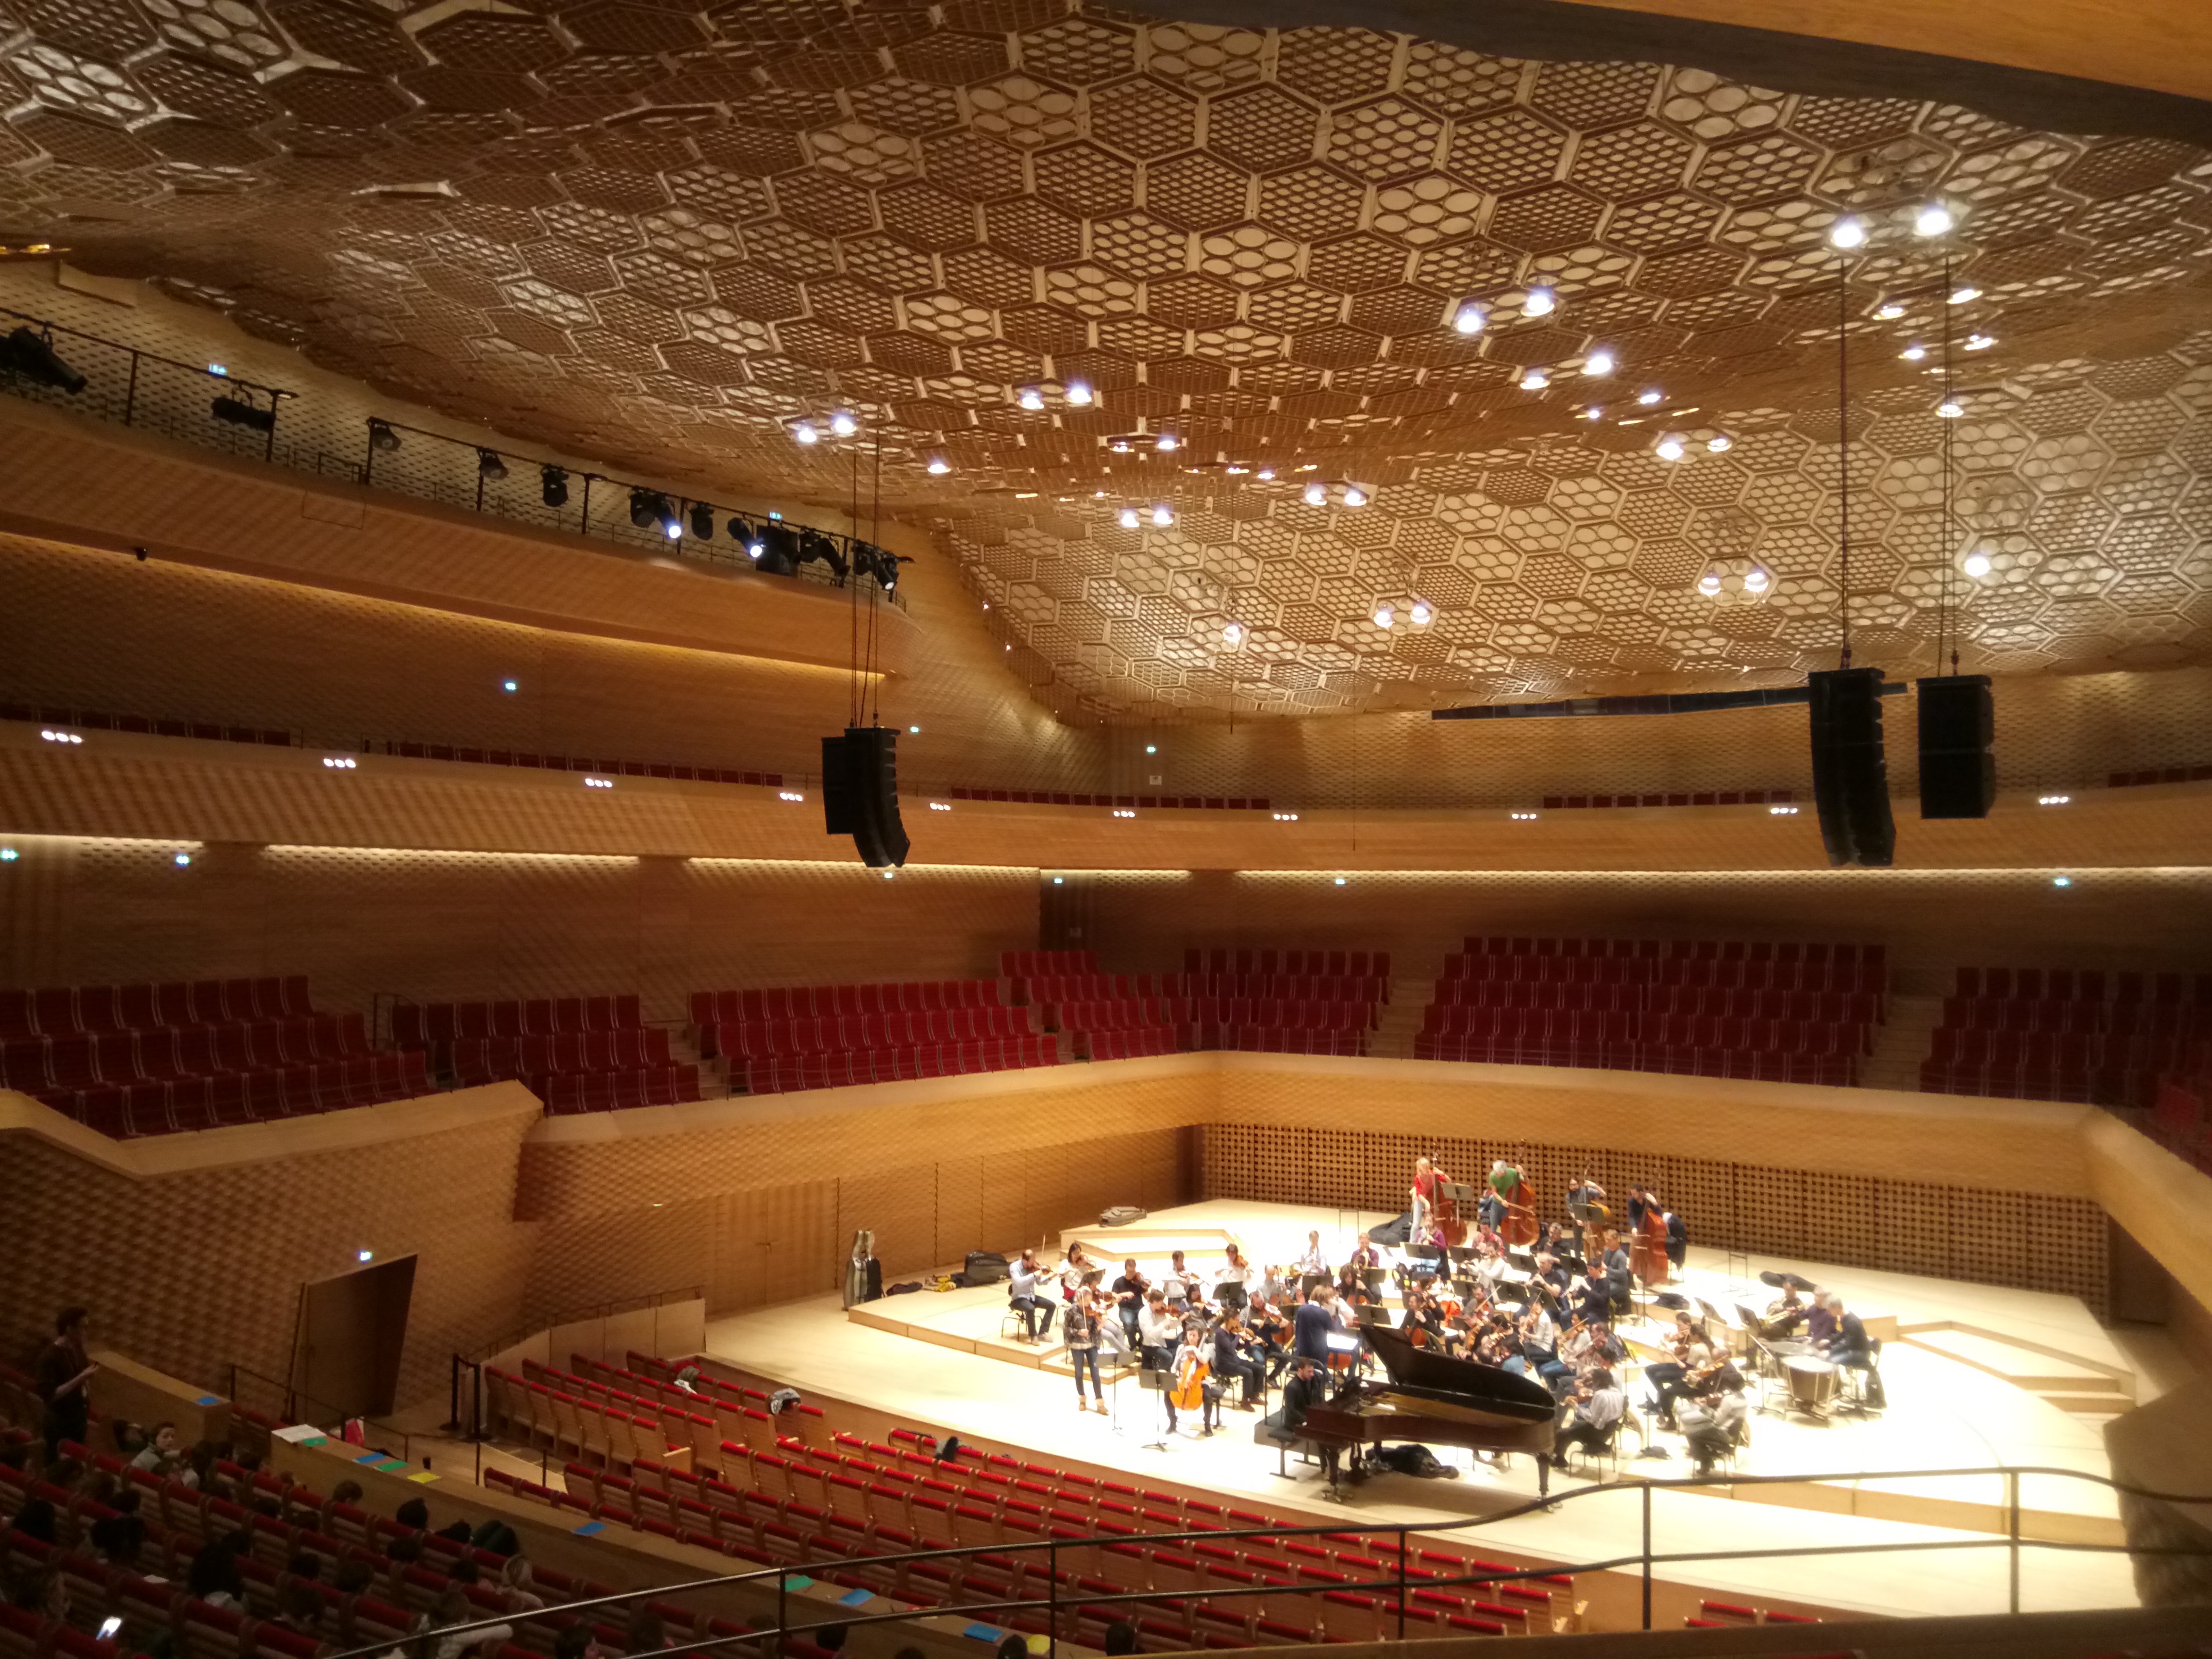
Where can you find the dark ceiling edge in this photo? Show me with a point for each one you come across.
(1558, 30)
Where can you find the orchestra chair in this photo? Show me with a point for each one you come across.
(1608, 1449)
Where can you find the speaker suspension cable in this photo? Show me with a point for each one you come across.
(1946, 621)
(1844, 449)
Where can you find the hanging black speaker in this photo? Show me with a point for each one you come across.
(860, 793)
(1957, 722)
(1851, 773)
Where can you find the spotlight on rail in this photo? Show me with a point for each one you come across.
(31, 355)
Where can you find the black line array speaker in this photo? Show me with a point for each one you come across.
(1851, 773)
(860, 793)
(1957, 722)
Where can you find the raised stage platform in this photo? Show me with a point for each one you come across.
(1976, 1376)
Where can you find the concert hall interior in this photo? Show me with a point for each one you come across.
(1460, 754)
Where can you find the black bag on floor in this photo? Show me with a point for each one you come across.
(983, 1268)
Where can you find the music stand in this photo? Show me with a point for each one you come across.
(1460, 1193)
(1231, 1296)
(1154, 1383)
(1377, 1278)
(1307, 1282)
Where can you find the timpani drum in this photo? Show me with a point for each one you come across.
(1812, 1382)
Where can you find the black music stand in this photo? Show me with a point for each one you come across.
(1307, 1282)
(1155, 1384)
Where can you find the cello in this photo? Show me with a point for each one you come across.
(1192, 1369)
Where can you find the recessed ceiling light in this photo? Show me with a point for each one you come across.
(1933, 220)
(1541, 303)
(1598, 362)
(1847, 233)
(1470, 318)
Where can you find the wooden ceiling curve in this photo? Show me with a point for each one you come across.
(667, 233)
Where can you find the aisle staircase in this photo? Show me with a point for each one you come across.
(2080, 1388)
(1901, 1042)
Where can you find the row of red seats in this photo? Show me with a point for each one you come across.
(766, 1039)
(837, 1001)
(1225, 959)
(1679, 950)
(1293, 987)
(1275, 1039)
(1134, 1044)
(414, 1024)
(1023, 964)
(611, 1091)
(1561, 1031)
(1839, 1069)
(1704, 971)
(209, 1103)
(1130, 1011)
(2083, 984)
(1838, 1007)
(1955, 1048)
(37, 1064)
(2051, 1014)
(64, 1010)
(787, 1073)
(492, 1060)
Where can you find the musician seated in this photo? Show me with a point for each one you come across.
(1851, 1348)
(1819, 1320)
(1307, 1388)
(1697, 1370)
(1025, 1284)
(1232, 1360)
(1784, 1313)
(1129, 1297)
(1620, 1281)
(1179, 1282)
(1550, 1274)
(1273, 1328)
(1594, 1302)
(1158, 1332)
(1539, 1336)
(1713, 1422)
(1592, 1420)
(1275, 1284)
(1189, 1362)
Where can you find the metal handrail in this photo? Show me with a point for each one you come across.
(294, 1396)
(319, 461)
(1401, 1584)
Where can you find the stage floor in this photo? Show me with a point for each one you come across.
(1989, 1402)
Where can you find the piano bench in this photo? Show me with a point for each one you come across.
(1309, 1450)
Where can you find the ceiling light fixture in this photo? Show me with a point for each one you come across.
(1889, 313)
(1316, 494)
(1719, 444)
(1963, 294)
(1079, 393)
(1128, 518)
(1534, 380)
(1980, 341)
(1030, 398)
(1847, 233)
(1977, 564)
(381, 436)
(1266, 475)
(490, 465)
(1472, 318)
(1385, 615)
(1649, 396)
(1913, 353)
(1232, 633)
(1950, 408)
(1167, 443)
(1598, 362)
(1162, 515)
(1421, 613)
(1354, 496)
(553, 486)
(805, 433)
(1541, 302)
(1669, 446)
(1933, 220)
(939, 466)
(842, 423)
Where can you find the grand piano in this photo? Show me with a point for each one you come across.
(1434, 1398)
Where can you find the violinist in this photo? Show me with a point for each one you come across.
(1231, 1277)
(1232, 1358)
(1072, 1270)
(1179, 1282)
(1540, 1335)
(1157, 1332)
(1079, 1332)
(1272, 1329)
(1689, 1375)
(1130, 1291)
(1025, 1283)
(1592, 1418)
(1550, 1274)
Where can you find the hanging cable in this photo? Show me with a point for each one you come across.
(1844, 443)
(1947, 624)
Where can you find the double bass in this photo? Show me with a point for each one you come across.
(1647, 1250)
(1451, 1226)
(1519, 1230)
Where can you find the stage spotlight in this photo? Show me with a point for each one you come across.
(702, 521)
(236, 411)
(647, 507)
(489, 466)
(381, 436)
(33, 356)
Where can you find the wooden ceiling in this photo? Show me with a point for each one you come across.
(667, 234)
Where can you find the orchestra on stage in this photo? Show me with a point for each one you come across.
(1512, 1333)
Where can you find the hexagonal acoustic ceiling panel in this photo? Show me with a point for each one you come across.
(665, 234)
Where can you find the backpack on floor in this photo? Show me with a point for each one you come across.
(1121, 1215)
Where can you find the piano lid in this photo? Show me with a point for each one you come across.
(1427, 1371)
